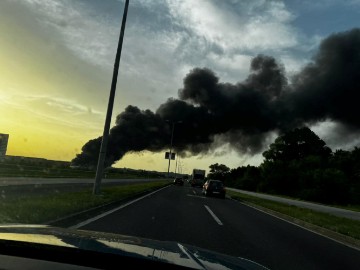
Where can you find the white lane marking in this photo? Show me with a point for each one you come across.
(194, 192)
(196, 196)
(81, 224)
(213, 215)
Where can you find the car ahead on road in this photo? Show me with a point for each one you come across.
(197, 182)
(178, 181)
(214, 188)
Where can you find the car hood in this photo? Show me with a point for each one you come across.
(164, 251)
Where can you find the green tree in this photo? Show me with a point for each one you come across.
(296, 145)
(218, 171)
(288, 157)
(325, 185)
(278, 177)
(234, 177)
(251, 178)
(355, 176)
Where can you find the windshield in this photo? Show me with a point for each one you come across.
(260, 95)
(216, 184)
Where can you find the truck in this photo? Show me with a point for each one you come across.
(197, 177)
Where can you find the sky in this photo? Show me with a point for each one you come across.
(56, 60)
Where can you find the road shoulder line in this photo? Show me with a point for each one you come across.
(307, 226)
(90, 220)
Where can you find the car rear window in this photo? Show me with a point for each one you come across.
(216, 184)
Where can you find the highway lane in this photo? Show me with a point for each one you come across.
(182, 214)
(314, 206)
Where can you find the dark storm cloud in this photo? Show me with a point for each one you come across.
(243, 114)
(329, 87)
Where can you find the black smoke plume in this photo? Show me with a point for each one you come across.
(243, 114)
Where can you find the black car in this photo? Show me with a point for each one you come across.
(214, 188)
(178, 181)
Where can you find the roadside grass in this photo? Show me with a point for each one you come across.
(336, 224)
(68, 173)
(351, 207)
(65, 174)
(41, 209)
(23, 170)
(347, 207)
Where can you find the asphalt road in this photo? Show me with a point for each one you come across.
(182, 214)
(314, 206)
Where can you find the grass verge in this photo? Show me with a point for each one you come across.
(41, 209)
(351, 207)
(347, 227)
(52, 171)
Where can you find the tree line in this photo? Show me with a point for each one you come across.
(299, 164)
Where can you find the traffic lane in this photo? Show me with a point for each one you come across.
(277, 243)
(314, 206)
(174, 214)
(179, 214)
(21, 191)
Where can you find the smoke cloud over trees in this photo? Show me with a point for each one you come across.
(244, 114)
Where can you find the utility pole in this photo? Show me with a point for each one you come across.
(105, 137)
(176, 165)
(171, 141)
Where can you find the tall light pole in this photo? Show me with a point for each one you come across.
(171, 143)
(177, 166)
(105, 137)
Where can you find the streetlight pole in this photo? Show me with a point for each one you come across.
(171, 143)
(180, 167)
(176, 165)
(105, 137)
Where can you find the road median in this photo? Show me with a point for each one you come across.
(68, 208)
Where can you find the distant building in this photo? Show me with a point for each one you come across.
(4, 138)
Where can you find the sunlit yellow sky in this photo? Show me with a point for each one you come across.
(56, 62)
